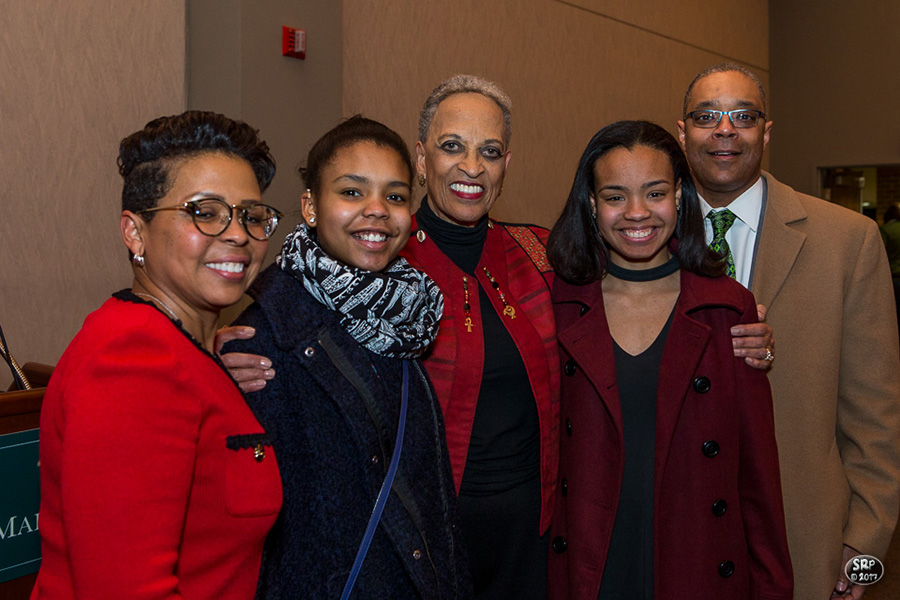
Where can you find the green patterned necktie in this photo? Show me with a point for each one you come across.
(722, 220)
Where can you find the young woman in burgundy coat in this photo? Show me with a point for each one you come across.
(669, 481)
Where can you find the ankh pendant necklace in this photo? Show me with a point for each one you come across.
(508, 311)
(467, 308)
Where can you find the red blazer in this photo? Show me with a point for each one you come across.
(715, 440)
(150, 486)
(516, 258)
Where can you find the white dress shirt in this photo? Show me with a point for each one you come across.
(741, 237)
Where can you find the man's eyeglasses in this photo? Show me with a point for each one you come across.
(212, 217)
(740, 118)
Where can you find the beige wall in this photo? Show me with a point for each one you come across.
(835, 87)
(236, 67)
(75, 78)
(570, 68)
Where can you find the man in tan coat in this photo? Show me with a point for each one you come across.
(823, 274)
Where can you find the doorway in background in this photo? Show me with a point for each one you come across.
(867, 189)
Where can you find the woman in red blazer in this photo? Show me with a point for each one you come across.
(157, 482)
(669, 481)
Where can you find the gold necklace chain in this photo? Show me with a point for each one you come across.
(161, 304)
(508, 310)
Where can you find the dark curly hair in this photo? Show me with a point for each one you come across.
(146, 157)
(355, 129)
(575, 249)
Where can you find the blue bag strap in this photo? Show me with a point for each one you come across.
(384, 492)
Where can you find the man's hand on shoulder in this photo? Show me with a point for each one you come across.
(754, 342)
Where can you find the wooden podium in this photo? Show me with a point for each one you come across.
(19, 411)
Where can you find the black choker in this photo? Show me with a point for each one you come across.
(663, 270)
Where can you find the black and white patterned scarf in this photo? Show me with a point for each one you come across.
(395, 312)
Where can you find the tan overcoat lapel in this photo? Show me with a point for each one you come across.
(779, 243)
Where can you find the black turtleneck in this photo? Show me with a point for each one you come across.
(460, 244)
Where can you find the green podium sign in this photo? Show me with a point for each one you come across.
(20, 542)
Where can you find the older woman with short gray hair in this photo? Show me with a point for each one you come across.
(494, 364)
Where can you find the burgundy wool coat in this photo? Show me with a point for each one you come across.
(715, 442)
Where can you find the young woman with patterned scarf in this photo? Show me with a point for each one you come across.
(345, 320)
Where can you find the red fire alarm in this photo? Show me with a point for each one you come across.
(293, 42)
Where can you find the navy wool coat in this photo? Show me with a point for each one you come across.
(332, 413)
(718, 520)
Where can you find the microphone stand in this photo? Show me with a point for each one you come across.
(18, 375)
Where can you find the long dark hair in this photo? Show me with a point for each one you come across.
(575, 249)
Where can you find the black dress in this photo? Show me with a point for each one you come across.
(500, 494)
(629, 562)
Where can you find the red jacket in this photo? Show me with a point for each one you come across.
(150, 485)
(705, 395)
(516, 258)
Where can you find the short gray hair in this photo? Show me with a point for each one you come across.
(724, 68)
(465, 84)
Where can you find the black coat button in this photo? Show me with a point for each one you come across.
(569, 427)
(564, 487)
(584, 310)
(571, 367)
(559, 544)
(710, 448)
(719, 507)
(701, 385)
(726, 568)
